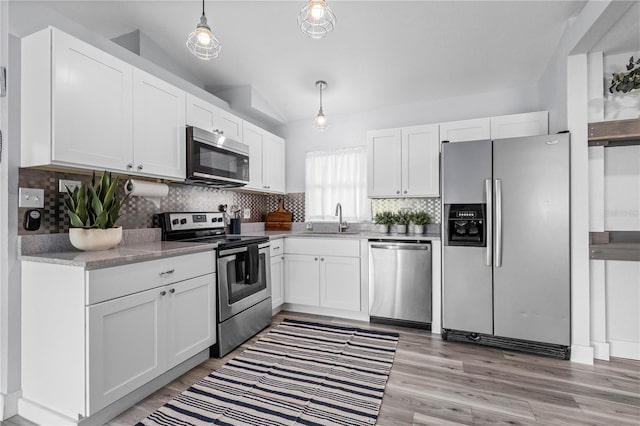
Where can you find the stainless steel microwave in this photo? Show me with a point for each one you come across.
(214, 160)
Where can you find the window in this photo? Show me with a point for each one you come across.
(337, 176)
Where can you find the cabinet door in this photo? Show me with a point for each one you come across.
(301, 279)
(229, 125)
(191, 325)
(273, 163)
(92, 106)
(126, 346)
(254, 136)
(277, 281)
(421, 161)
(384, 163)
(516, 125)
(159, 127)
(466, 130)
(200, 113)
(340, 282)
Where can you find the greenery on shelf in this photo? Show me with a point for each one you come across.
(95, 206)
(420, 218)
(402, 218)
(384, 218)
(626, 82)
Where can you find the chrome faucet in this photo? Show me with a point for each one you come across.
(342, 225)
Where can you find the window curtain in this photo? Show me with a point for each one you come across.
(337, 176)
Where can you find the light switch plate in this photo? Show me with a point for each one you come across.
(72, 184)
(247, 214)
(31, 197)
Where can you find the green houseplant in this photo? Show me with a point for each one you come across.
(420, 219)
(401, 220)
(93, 211)
(383, 220)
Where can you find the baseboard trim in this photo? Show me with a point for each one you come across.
(9, 404)
(582, 354)
(316, 310)
(601, 350)
(45, 416)
(622, 349)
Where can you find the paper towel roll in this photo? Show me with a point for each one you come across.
(151, 191)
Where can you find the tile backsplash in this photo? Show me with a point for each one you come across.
(139, 213)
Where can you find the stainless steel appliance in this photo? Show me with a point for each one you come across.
(243, 275)
(506, 243)
(214, 160)
(400, 283)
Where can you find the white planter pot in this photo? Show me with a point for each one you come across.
(411, 228)
(383, 229)
(401, 229)
(419, 229)
(95, 239)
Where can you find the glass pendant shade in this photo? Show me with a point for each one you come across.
(316, 19)
(321, 123)
(201, 42)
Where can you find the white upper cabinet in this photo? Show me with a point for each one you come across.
(516, 125)
(404, 162)
(77, 110)
(159, 127)
(266, 159)
(209, 117)
(465, 130)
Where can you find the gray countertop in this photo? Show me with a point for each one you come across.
(121, 255)
(132, 252)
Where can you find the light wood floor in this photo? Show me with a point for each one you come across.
(434, 382)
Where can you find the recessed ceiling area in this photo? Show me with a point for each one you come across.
(382, 53)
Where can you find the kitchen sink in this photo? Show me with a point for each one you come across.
(333, 233)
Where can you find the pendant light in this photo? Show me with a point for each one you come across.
(201, 42)
(316, 19)
(321, 123)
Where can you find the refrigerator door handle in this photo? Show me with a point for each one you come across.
(489, 221)
(498, 216)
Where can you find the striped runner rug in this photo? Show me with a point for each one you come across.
(300, 373)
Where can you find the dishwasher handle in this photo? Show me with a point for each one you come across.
(406, 246)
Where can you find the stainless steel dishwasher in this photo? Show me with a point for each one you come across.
(400, 283)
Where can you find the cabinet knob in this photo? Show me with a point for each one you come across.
(173, 290)
(405, 192)
(139, 166)
(282, 257)
(163, 293)
(322, 259)
(397, 192)
(130, 166)
(315, 258)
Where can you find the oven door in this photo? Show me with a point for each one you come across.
(235, 293)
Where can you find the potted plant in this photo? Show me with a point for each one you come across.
(93, 211)
(420, 220)
(383, 220)
(401, 220)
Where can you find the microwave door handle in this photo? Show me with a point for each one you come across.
(488, 221)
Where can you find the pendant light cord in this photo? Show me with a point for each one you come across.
(202, 7)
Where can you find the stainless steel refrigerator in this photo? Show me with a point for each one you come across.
(506, 241)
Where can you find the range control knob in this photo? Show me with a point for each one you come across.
(175, 221)
(219, 219)
(183, 221)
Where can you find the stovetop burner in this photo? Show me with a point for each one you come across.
(204, 227)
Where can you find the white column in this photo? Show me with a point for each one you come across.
(577, 119)
(598, 309)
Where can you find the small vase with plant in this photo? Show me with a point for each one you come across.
(401, 220)
(420, 220)
(93, 211)
(383, 220)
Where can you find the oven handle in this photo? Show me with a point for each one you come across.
(231, 252)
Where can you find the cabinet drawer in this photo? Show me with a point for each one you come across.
(277, 247)
(118, 281)
(326, 246)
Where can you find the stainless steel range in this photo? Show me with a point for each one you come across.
(243, 275)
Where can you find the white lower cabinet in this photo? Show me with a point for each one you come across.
(277, 273)
(92, 337)
(323, 273)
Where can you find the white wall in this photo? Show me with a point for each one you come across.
(350, 130)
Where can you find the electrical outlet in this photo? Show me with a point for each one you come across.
(247, 214)
(72, 184)
(31, 197)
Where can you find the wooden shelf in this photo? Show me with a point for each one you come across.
(614, 130)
